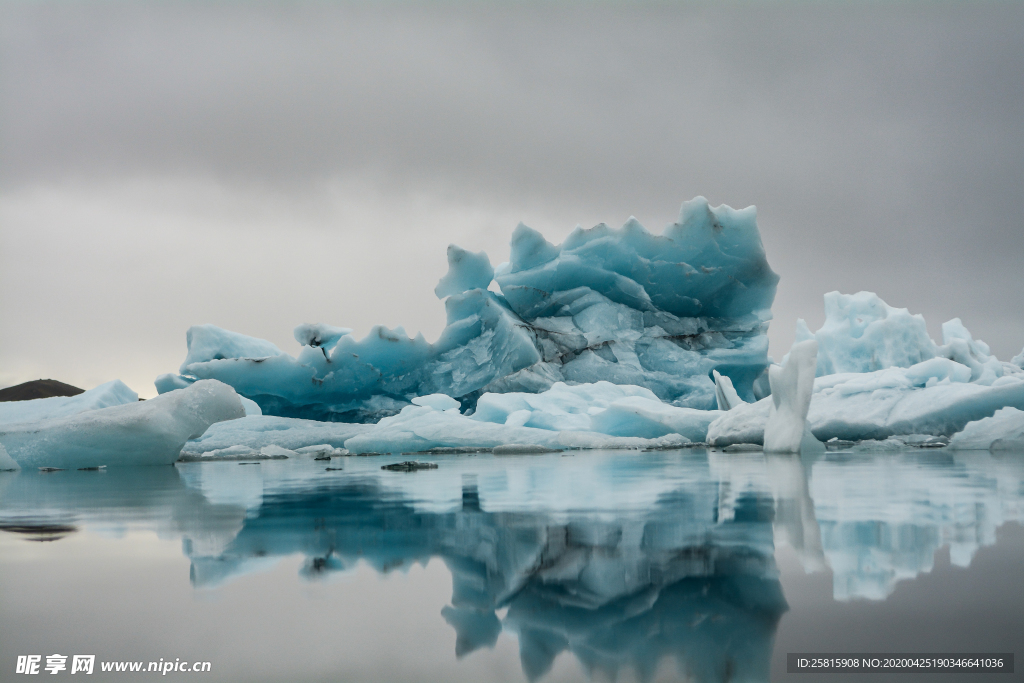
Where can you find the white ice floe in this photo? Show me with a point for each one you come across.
(139, 433)
(884, 403)
(421, 428)
(602, 407)
(1004, 431)
(113, 393)
(256, 432)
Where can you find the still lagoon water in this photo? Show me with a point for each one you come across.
(658, 566)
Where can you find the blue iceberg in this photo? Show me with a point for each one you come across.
(621, 305)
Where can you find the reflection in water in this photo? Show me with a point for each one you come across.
(622, 559)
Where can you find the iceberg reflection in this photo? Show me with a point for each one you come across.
(623, 559)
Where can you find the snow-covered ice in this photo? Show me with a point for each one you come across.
(138, 433)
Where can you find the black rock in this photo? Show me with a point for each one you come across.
(409, 466)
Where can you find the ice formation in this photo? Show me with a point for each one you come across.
(599, 415)
(894, 379)
(254, 433)
(626, 306)
(113, 393)
(792, 386)
(138, 433)
(1004, 431)
(426, 427)
(725, 394)
(884, 403)
(862, 334)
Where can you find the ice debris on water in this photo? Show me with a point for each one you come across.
(621, 305)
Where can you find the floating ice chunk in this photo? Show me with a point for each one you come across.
(437, 402)
(276, 452)
(725, 393)
(862, 334)
(1004, 431)
(792, 387)
(561, 407)
(7, 463)
(603, 407)
(878, 405)
(209, 342)
(324, 450)
(319, 335)
(113, 393)
(255, 432)
(141, 433)
(466, 271)
(422, 428)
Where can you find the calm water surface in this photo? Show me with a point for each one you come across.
(679, 565)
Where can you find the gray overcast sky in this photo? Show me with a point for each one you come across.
(256, 167)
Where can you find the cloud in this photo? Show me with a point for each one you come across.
(882, 145)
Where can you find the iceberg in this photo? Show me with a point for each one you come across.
(1004, 431)
(621, 305)
(113, 393)
(878, 377)
(878, 405)
(139, 433)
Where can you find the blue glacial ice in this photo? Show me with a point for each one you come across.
(626, 306)
(138, 433)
